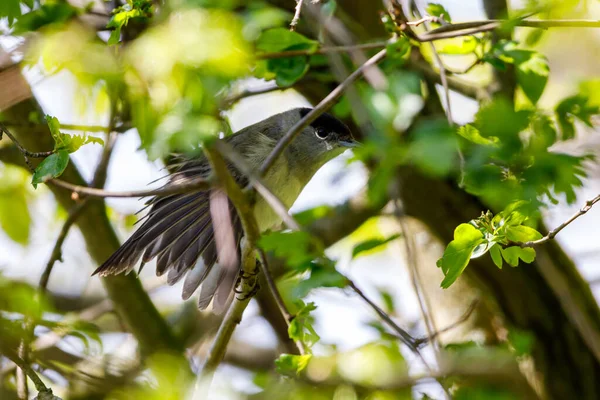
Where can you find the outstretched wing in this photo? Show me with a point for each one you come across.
(178, 231)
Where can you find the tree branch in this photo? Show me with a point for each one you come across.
(296, 18)
(276, 204)
(404, 336)
(322, 50)
(552, 234)
(186, 186)
(131, 301)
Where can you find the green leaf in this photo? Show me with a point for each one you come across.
(297, 248)
(288, 70)
(496, 255)
(372, 244)
(137, 10)
(399, 49)
(571, 108)
(52, 13)
(281, 39)
(499, 119)
(301, 327)
(15, 218)
(85, 331)
(532, 73)
(52, 167)
(63, 141)
(521, 341)
(532, 68)
(54, 126)
(522, 233)
(320, 277)
(544, 132)
(438, 10)
(434, 148)
(292, 365)
(514, 253)
(472, 134)
(458, 253)
(10, 9)
(312, 214)
(463, 45)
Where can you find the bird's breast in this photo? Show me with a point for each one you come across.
(285, 186)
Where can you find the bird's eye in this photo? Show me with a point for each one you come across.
(321, 133)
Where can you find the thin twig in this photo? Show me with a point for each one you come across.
(524, 23)
(26, 153)
(56, 254)
(74, 127)
(552, 234)
(241, 165)
(296, 18)
(44, 391)
(323, 50)
(323, 106)
(403, 335)
(234, 98)
(249, 274)
(189, 185)
(441, 66)
(20, 374)
(98, 182)
(466, 315)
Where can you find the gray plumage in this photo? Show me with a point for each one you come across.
(178, 229)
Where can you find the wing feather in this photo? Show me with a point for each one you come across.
(177, 231)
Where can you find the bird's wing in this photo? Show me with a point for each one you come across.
(178, 231)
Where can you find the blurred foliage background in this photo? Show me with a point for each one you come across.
(472, 146)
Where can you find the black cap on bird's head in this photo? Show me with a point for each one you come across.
(330, 129)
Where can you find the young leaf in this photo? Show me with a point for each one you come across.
(54, 126)
(288, 70)
(514, 253)
(15, 218)
(301, 327)
(50, 13)
(522, 233)
(10, 9)
(472, 134)
(291, 365)
(398, 49)
(433, 149)
(280, 39)
(320, 277)
(458, 253)
(371, 244)
(297, 248)
(52, 167)
(574, 107)
(532, 74)
(496, 255)
(464, 45)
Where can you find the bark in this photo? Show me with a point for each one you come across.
(548, 298)
(130, 300)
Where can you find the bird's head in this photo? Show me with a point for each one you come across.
(324, 139)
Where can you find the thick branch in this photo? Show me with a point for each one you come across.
(131, 301)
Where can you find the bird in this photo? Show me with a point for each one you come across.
(178, 229)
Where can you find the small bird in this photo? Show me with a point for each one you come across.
(178, 230)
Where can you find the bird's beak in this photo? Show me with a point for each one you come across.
(349, 143)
